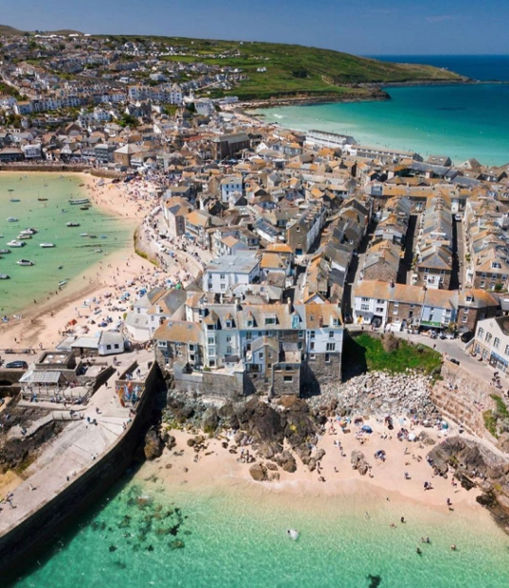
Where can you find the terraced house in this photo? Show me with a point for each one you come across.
(278, 348)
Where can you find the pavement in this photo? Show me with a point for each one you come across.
(74, 450)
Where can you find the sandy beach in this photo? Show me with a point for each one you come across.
(400, 478)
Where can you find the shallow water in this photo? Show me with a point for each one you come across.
(460, 121)
(237, 537)
(73, 252)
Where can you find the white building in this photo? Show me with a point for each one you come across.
(228, 271)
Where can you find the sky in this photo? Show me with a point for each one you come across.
(362, 27)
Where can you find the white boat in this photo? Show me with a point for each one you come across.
(46, 245)
(83, 234)
(30, 231)
(62, 283)
(292, 534)
(12, 219)
(72, 224)
(24, 262)
(24, 236)
(75, 201)
(15, 243)
(4, 276)
(4, 251)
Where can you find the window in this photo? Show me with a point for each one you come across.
(211, 340)
(228, 339)
(221, 276)
(249, 335)
(506, 350)
(313, 355)
(270, 320)
(327, 358)
(364, 306)
(364, 299)
(480, 332)
(287, 378)
(311, 334)
(331, 334)
(312, 345)
(496, 342)
(108, 347)
(331, 346)
(488, 337)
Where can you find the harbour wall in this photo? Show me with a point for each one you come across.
(33, 534)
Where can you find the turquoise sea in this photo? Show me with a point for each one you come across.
(146, 534)
(19, 195)
(460, 121)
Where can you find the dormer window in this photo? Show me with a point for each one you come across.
(228, 324)
(469, 299)
(270, 320)
(250, 322)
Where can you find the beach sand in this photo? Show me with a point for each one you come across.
(216, 467)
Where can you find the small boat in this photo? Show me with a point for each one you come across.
(24, 236)
(4, 251)
(60, 267)
(78, 201)
(26, 262)
(93, 236)
(10, 190)
(98, 250)
(84, 207)
(62, 283)
(15, 243)
(15, 199)
(72, 224)
(46, 245)
(292, 534)
(4, 276)
(12, 219)
(42, 199)
(30, 231)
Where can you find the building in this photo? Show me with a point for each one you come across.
(491, 342)
(228, 271)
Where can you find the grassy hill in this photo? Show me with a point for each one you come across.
(296, 70)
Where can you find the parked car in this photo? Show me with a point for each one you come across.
(465, 337)
(454, 360)
(18, 364)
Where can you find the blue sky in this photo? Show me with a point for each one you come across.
(367, 27)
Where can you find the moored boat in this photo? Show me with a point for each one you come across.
(46, 245)
(15, 199)
(4, 276)
(12, 219)
(72, 224)
(62, 283)
(25, 262)
(4, 251)
(16, 243)
(77, 201)
(24, 236)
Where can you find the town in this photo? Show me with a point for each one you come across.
(266, 251)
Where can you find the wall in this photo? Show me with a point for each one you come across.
(37, 531)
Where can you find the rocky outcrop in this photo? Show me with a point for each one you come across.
(286, 461)
(258, 472)
(359, 462)
(474, 464)
(379, 394)
(154, 444)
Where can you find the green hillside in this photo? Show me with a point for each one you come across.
(295, 69)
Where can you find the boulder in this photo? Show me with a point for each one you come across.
(153, 444)
(286, 461)
(210, 420)
(258, 472)
(503, 442)
(170, 441)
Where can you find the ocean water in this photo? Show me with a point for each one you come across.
(72, 252)
(460, 121)
(146, 534)
(476, 67)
